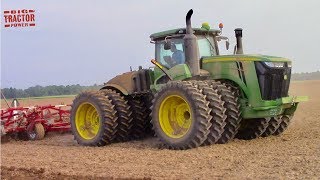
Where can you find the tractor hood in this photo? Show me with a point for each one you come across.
(244, 57)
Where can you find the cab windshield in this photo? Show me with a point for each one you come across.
(175, 55)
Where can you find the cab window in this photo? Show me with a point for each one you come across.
(173, 56)
(206, 46)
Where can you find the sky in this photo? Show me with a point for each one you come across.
(90, 41)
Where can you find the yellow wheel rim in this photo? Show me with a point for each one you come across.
(175, 116)
(87, 121)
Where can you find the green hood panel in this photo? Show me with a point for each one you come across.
(245, 57)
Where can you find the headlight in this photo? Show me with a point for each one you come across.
(274, 64)
(289, 64)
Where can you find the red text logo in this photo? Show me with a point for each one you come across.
(19, 18)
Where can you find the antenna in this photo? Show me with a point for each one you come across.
(4, 98)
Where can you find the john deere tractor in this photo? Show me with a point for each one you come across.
(193, 96)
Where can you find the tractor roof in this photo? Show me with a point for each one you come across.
(171, 32)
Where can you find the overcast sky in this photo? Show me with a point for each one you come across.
(90, 41)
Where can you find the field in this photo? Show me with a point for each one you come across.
(53, 100)
(293, 155)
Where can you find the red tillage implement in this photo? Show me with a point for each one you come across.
(33, 122)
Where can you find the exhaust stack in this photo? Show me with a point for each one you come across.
(238, 33)
(191, 47)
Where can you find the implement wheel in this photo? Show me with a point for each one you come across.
(181, 116)
(36, 132)
(93, 119)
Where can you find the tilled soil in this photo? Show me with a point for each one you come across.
(39, 101)
(293, 155)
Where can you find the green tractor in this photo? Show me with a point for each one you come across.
(192, 97)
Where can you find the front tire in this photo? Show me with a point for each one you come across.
(232, 106)
(181, 116)
(252, 128)
(284, 123)
(273, 125)
(217, 111)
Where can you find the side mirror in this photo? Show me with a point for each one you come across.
(227, 45)
(219, 38)
(167, 45)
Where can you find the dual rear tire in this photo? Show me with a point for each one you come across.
(102, 117)
(93, 119)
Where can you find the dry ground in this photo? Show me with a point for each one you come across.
(294, 155)
(40, 101)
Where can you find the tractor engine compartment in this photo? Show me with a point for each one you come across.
(273, 81)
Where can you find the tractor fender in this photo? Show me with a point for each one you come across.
(117, 88)
(132, 82)
(236, 81)
(240, 84)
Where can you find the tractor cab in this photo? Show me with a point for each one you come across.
(175, 60)
(170, 49)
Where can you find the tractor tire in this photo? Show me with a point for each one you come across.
(93, 119)
(36, 132)
(148, 102)
(140, 117)
(217, 111)
(234, 88)
(274, 124)
(123, 114)
(284, 123)
(181, 116)
(252, 128)
(232, 112)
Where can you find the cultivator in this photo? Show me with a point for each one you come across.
(31, 123)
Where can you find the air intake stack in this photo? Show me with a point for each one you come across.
(238, 33)
(191, 47)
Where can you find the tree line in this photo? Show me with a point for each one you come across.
(306, 76)
(53, 90)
